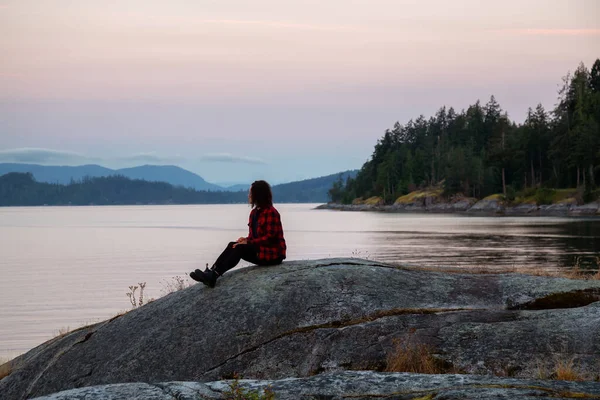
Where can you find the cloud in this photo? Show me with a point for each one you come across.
(280, 24)
(58, 157)
(43, 156)
(553, 32)
(229, 158)
(10, 75)
(150, 158)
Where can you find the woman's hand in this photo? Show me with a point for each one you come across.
(241, 240)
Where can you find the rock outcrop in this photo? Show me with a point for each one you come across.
(304, 318)
(491, 206)
(355, 385)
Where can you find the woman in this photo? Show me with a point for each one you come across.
(264, 244)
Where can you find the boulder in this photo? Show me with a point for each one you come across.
(492, 205)
(458, 205)
(414, 207)
(521, 209)
(586, 209)
(556, 209)
(303, 318)
(359, 385)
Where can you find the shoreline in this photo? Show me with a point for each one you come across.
(480, 208)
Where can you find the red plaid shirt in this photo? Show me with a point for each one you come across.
(269, 239)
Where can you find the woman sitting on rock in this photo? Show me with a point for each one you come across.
(264, 245)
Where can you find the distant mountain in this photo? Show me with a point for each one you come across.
(168, 173)
(307, 191)
(310, 190)
(153, 173)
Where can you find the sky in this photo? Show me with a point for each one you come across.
(238, 90)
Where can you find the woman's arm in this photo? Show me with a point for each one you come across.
(249, 225)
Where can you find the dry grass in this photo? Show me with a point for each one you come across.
(576, 272)
(176, 284)
(410, 356)
(562, 367)
(564, 370)
(419, 194)
(5, 368)
(236, 392)
(496, 196)
(564, 196)
(374, 201)
(371, 201)
(558, 196)
(63, 331)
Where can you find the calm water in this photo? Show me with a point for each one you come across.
(69, 266)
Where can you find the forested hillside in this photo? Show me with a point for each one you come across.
(313, 190)
(480, 151)
(21, 189)
(174, 175)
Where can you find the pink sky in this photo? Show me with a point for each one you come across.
(305, 86)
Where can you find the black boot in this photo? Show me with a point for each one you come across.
(208, 277)
(198, 276)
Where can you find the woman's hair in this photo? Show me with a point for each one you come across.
(260, 194)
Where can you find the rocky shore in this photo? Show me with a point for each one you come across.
(474, 207)
(349, 385)
(327, 329)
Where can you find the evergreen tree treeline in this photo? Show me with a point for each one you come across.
(21, 189)
(480, 151)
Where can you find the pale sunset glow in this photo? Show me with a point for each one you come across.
(297, 89)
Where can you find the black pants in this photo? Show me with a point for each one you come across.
(231, 256)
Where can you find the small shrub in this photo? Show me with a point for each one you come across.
(544, 196)
(586, 194)
(528, 192)
(511, 194)
(63, 331)
(236, 392)
(541, 371)
(409, 356)
(359, 254)
(175, 284)
(139, 301)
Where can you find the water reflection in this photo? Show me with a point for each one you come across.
(494, 243)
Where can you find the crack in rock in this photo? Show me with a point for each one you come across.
(85, 338)
(572, 299)
(343, 324)
(362, 264)
(53, 361)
